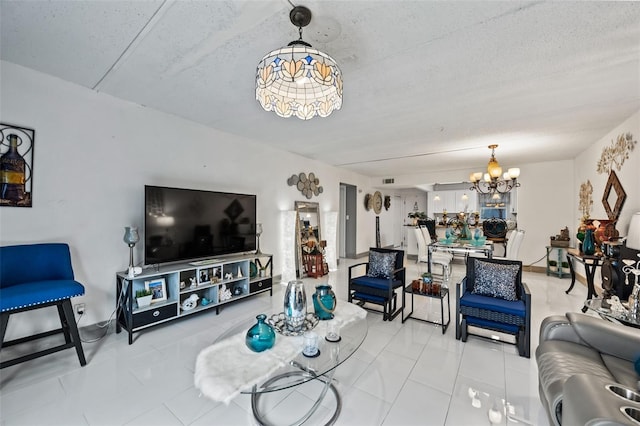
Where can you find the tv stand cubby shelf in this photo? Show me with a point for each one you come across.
(184, 289)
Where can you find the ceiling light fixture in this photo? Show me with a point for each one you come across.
(492, 182)
(297, 79)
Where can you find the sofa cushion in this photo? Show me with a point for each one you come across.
(494, 304)
(495, 280)
(492, 325)
(38, 293)
(369, 297)
(605, 336)
(381, 265)
(379, 283)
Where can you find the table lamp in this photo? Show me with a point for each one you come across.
(258, 233)
(131, 237)
(633, 236)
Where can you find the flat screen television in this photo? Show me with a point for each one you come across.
(188, 224)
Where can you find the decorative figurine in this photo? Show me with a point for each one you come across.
(190, 303)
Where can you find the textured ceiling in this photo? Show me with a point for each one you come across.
(427, 85)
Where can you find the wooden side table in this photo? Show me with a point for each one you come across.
(313, 263)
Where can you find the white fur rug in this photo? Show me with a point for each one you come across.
(225, 369)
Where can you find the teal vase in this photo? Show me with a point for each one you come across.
(324, 302)
(261, 336)
(589, 244)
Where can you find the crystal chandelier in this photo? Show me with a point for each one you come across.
(297, 79)
(494, 182)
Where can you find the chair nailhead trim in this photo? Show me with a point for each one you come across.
(40, 303)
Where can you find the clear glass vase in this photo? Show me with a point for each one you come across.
(295, 306)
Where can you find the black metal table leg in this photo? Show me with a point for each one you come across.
(572, 272)
(590, 269)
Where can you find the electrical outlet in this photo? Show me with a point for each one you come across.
(80, 308)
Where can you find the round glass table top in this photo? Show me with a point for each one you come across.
(330, 356)
(622, 317)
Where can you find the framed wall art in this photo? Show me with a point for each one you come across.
(16, 165)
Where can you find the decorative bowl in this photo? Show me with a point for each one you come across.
(277, 321)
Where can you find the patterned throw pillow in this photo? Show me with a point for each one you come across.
(495, 280)
(381, 264)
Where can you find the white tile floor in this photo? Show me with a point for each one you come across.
(403, 374)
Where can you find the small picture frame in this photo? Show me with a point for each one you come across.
(158, 289)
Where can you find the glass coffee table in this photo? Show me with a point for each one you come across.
(621, 317)
(301, 369)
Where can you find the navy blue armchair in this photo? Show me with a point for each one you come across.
(37, 276)
(384, 273)
(492, 296)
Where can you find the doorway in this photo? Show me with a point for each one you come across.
(347, 220)
(398, 222)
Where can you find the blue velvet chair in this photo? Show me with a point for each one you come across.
(37, 276)
(500, 308)
(378, 289)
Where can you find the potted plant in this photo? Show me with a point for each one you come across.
(143, 298)
(415, 216)
(553, 265)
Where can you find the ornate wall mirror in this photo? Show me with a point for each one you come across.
(614, 197)
(308, 234)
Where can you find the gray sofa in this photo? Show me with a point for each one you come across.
(586, 371)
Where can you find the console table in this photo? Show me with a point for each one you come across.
(214, 282)
(591, 263)
(561, 256)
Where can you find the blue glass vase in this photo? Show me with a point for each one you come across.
(324, 302)
(589, 244)
(261, 336)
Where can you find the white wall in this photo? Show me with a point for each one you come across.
(545, 201)
(629, 175)
(93, 154)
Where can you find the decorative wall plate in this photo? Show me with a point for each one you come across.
(368, 202)
(308, 185)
